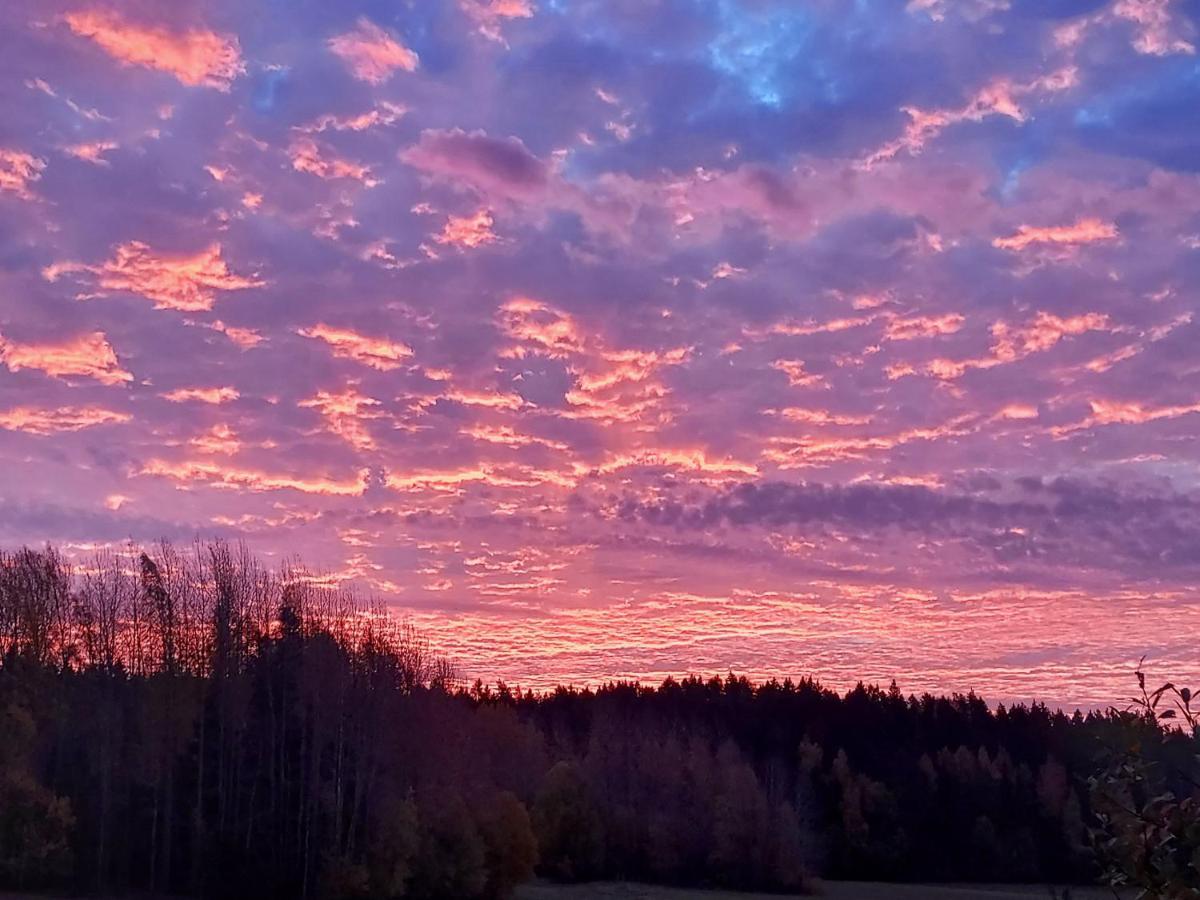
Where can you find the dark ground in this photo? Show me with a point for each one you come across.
(836, 890)
(843, 890)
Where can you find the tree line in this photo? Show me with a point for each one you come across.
(187, 720)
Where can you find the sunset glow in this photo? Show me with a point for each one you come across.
(855, 340)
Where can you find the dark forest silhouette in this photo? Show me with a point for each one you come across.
(187, 721)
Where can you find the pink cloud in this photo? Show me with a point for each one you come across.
(196, 57)
(18, 170)
(371, 53)
(500, 165)
(1157, 31)
(92, 151)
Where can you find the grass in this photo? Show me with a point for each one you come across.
(835, 890)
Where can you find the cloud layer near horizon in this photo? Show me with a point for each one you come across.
(629, 338)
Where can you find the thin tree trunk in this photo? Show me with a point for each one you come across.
(198, 809)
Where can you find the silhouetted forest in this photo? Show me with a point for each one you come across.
(186, 720)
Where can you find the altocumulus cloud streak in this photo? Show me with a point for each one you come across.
(846, 339)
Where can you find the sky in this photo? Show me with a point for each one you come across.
(619, 338)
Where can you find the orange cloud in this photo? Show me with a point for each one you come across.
(371, 53)
(1110, 412)
(92, 152)
(1108, 360)
(614, 367)
(1122, 412)
(820, 417)
(451, 480)
(947, 369)
(797, 375)
(1151, 336)
(345, 413)
(548, 329)
(468, 231)
(620, 385)
(1011, 343)
(628, 404)
(182, 282)
(92, 115)
(447, 480)
(693, 460)
(1042, 333)
(611, 385)
(378, 353)
(212, 473)
(89, 356)
(384, 114)
(187, 283)
(196, 57)
(219, 439)
(307, 157)
(489, 15)
(243, 337)
(65, 418)
(791, 453)
(1084, 231)
(18, 170)
(488, 399)
(999, 98)
(923, 326)
(792, 328)
(507, 436)
(1017, 411)
(213, 395)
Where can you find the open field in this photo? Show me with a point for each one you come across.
(838, 890)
